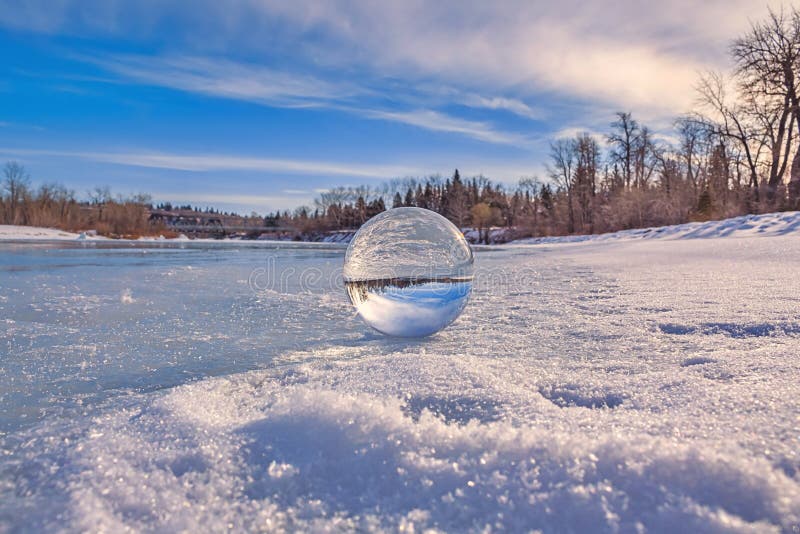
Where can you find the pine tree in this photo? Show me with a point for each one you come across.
(419, 199)
(409, 200)
(704, 204)
(547, 197)
(360, 211)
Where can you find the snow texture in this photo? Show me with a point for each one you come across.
(616, 385)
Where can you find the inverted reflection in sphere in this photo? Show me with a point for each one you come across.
(408, 272)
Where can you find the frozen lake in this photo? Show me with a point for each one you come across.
(629, 385)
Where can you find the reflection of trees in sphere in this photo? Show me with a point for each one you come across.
(408, 271)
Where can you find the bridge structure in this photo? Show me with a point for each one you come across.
(211, 224)
(227, 228)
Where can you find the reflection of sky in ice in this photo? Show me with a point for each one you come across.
(414, 311)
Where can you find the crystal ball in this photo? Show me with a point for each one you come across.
(408, 272)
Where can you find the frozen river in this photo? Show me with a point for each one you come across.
(85, 321)
(611, 386)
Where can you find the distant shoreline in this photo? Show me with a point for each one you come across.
(768, 224)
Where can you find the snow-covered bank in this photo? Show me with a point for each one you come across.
(32, 233)
(26, 233)
(768, 224)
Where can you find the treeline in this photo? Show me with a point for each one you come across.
(169, 206)
(55, 206)
(476, 202)
(736, 153)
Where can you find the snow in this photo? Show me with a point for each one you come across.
(496, 234)
(338, 237)
(13, 232)
(769, 224)
(610, 385)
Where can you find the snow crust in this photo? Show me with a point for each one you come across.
(620, 385)
(289, 451)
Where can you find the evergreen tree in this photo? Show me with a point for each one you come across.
(546, 195)
(419, 199)
(360, 211)
(409, 200)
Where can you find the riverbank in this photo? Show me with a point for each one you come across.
(779, 223)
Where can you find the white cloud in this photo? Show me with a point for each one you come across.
(570, 132)
(433, 120)
(506, 104)
(617, 54)
(252, 83)
(228, 79)
(612, 55)
(623, 54)
(207, 163)
(500, 170)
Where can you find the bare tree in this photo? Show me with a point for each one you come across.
(767, 61)
(562, 157)
(587, 161)
(692, 133)
(330, 203)
(731, 119)
(646, 157)
(15, 183)
(623, 140)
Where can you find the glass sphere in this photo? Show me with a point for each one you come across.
(408, 272)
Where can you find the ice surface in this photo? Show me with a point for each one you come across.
(631, 385)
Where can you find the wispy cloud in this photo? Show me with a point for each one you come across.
(512, 105)
(502, 171)
(252, 83)
(570, 132)
(440, 122)
(228, 79)
(208, 163)
(22, 126)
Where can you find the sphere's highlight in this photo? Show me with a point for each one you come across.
(408, 272)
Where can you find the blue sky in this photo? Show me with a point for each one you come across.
(257, 105)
